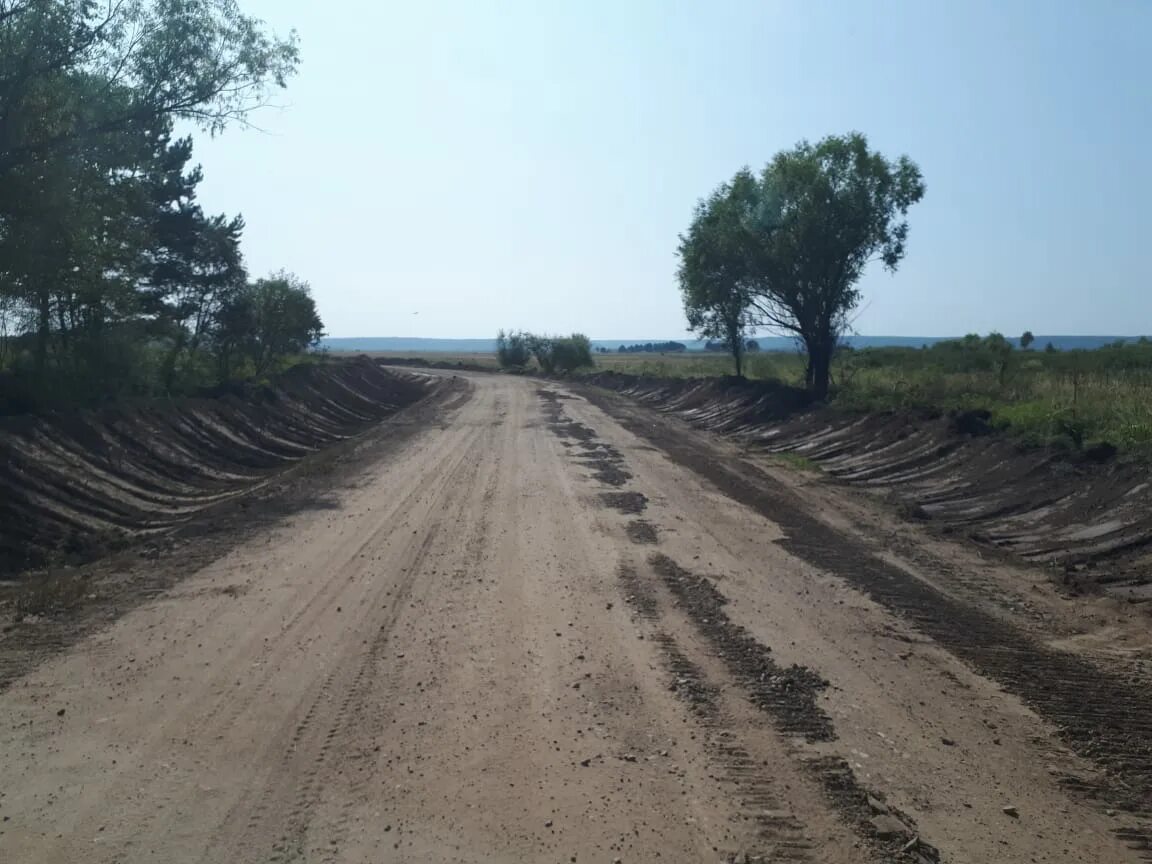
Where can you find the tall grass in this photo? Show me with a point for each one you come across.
(1068, 399)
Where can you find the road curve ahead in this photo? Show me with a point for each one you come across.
(530, 633)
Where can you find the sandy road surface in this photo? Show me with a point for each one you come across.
(531, 634)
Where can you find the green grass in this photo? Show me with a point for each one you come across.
(1069, 400)
(796, 462)
(47, 594)
(776, 365)
(1041, 406)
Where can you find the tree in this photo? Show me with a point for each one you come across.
(107, 264)
(285, 317)
(826, 210)
(1001, 351)
(1027, 339)
(268, 320)
(571, 353)
(68, 240)
(552, 353)
(512, 349)
(716, 260)
(653, 348)
(191, 263)
(198, 60)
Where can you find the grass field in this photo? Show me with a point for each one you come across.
(1071, 399)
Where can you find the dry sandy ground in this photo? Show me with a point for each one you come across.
(532, 634)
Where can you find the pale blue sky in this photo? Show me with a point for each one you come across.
(513, 164)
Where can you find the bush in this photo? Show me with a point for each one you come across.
(572, 353)
(552, 353)
(512, 349)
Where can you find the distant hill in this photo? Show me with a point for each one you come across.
(404, 344)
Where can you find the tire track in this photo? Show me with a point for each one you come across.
(356, 685)
(1100, 716)
(782, 837)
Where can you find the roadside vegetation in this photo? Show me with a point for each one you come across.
(1065, 399)
(786, 248)
(114, 281)
(520, 351)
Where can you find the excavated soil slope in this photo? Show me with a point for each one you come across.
(1087, 515)
(73, 484)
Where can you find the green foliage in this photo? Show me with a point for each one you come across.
(787, 249)
(652, 348)
(512, 349)
(265, 322)
(515, 349)
(716, 270)
(1067, 399)
(797, 462)
(112, 277)
(571, 353)
(1063, 399)
(140, 63)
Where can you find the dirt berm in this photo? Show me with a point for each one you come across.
(76, 484)
(1085, 515)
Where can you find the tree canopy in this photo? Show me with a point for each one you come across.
(76, 73)
(716, 271)
(515, 349)
(112, 276)
(786, 249)
(653, 348)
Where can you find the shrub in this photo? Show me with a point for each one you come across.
(571, 353)
(512, 349)
(552, 353)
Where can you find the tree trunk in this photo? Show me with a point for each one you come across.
(168, 369)
(818, 374)
(738, 356)
(43, 332)
(734, 336)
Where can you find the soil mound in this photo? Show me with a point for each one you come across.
(1086, 514)
(74, 484)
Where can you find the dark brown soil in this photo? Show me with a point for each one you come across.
(67, 604)
(640, 531)
(624, 502)
(606, 463)
(75, 486)
(787, 694)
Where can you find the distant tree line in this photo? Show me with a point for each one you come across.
(996, 354)
(751, 346)
(653, 348)
(785, 249)
(113, 279)
(517, 350)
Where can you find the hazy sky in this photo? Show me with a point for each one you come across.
(530, 164)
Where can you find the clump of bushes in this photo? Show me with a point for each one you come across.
(517, 349)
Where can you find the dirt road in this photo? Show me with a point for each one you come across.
(552, 629)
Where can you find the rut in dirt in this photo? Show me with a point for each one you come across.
(788, 695)
(1099, 714)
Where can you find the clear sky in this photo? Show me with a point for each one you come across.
(449, 168)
